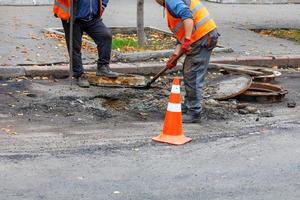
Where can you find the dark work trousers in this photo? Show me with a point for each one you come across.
(194, 71)
(98, 32)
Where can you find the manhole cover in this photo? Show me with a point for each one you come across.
(228, 86)
(264, 93)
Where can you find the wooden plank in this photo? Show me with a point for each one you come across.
(127, 80)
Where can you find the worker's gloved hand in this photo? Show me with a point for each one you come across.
(102, 9)
(172, 62)
(186, 45)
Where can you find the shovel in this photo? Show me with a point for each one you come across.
(148, 85)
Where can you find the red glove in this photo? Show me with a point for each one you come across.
(186, 45)
(172, 62)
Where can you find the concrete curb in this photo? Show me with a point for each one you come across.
(62, 71)
(146, 68)
(11, 72)
(26, 2)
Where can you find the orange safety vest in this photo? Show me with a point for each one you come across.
(203, 23)
(61, 8)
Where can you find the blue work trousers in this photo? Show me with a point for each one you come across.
(195, 69)
(101, 35)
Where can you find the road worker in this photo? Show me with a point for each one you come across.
(196, 35)
(87, 18)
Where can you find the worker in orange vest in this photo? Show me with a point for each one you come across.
(196, 35)
(87, 18)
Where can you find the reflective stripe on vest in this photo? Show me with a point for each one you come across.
(199, 24)
(203, 21)
(198, 7)
(62, 6)
(177, 27)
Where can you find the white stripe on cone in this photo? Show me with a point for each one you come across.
(175, 89)
(174, 107)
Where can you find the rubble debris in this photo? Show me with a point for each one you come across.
(228, 86)
(233, 101)
(116, 104)
(217, 113)
(31, 95)
(243, 111)
(212, 102)
(291, 104)
(251, 109)
(266, 114)
(264, 93)
(60, 108)
(102, 103)
(241, 105)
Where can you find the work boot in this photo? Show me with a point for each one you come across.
(191, 118)
(82, 81)
(184, 109)
(105, 70)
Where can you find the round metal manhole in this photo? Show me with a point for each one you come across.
(264, 93)
(228, 86)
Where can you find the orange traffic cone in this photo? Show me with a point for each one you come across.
(172, 131)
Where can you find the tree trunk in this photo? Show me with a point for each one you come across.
(140, 23)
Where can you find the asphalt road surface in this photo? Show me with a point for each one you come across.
(47, 155)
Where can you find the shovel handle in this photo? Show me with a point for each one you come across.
(162, 71)
(157, 76)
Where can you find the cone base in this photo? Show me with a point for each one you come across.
(170, 139)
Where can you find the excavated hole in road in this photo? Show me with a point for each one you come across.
(115, 103)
